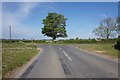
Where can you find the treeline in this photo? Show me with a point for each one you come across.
(86, 41)
(68, 41)
(22, 41)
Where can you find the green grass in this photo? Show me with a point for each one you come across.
(107, 49)
(15, 55)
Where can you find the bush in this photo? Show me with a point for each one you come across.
(117, 46)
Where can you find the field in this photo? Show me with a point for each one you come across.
(15, 55)
(107, 49)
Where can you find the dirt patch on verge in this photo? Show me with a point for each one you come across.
(100, 52)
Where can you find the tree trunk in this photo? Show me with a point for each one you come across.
(107, 36)
(108, 33)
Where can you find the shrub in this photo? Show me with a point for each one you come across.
(117, 46)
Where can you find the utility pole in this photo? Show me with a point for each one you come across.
(10, 31)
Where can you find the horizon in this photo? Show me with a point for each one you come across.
(26, 18)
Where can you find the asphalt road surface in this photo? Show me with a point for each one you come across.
(67, 61)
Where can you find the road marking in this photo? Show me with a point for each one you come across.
(50, 46)
(67, 55)
(60, 48)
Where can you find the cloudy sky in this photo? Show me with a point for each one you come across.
(26, 17)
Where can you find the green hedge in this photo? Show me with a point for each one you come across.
(78, 41)
(23, 41)
(117, 46)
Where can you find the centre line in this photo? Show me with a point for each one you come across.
(67, 55)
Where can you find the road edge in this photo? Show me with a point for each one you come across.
(18, 72)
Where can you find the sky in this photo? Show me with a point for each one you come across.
(60, 0)
(26, 18)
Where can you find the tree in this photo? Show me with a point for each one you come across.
(118, 24)
(54, 26)
(106, 29)
(117, 45)
(77, 38)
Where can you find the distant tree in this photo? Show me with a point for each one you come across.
(77, 38)
(23, 39)
(106, 29)
(54, 26)
(118, 24)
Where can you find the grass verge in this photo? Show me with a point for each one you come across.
(15, 55)
(107, 49)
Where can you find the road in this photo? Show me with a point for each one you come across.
(67, 61)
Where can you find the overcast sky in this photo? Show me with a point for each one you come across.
(26, 17)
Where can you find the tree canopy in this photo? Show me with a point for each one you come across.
(54, 26)
(118, 24)
(107, 28)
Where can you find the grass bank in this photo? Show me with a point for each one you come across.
(15, 55)
(107, 49)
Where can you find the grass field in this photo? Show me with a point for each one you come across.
(15, 55)
(107, 49)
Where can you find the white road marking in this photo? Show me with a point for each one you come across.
(50, 46)
(60, 48)
(67, 55)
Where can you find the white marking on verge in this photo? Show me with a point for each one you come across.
(67, 55)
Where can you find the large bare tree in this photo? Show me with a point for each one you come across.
(107, 28)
